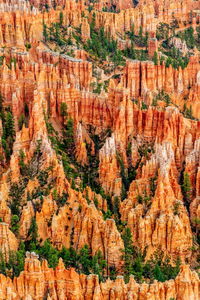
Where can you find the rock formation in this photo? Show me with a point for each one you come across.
(95, 141)
(38, 281)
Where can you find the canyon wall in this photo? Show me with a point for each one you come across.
(136, 151)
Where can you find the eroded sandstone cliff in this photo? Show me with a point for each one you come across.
(100, 151)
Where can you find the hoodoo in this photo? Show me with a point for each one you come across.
(99, 150)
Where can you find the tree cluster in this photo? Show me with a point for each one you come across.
(8, 125)
(157, 267)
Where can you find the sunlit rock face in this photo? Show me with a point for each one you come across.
(38, 280)
(99, 132)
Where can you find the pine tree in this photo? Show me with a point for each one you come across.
(146, 38)
(162, 59)
(155, 58)
(132, 33)
(1, 103)
(131, 51)
(84, 260)
(70, 257)
(98, 265)
(61, 18)
(33, 231)
(128, 253)
(63, 110)
(15, 224)
(45, 33)
(186, 189)
(158, 274)
(48, 252)
(9, 126)
(138, 268)
(140, 32)
(116, 209)
(2, 263)
(168, 62)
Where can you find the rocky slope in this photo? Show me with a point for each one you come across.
(100, 150)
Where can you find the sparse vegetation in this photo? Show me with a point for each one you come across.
(163, 31)
(15, 263)
(15, 224)
(176, 208)
(59, 183)
(127, 175)
(102, 46)
(175, 58)
(187, 112)
(186, 189)
(8, 136)
(156, 268)
(161, 96)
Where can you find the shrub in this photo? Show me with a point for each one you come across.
(187, 112)
(176, 208)
(162, 31)
(43, 177)
(60, 199)
(163, 96)
(144, 105)
(28, 46)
